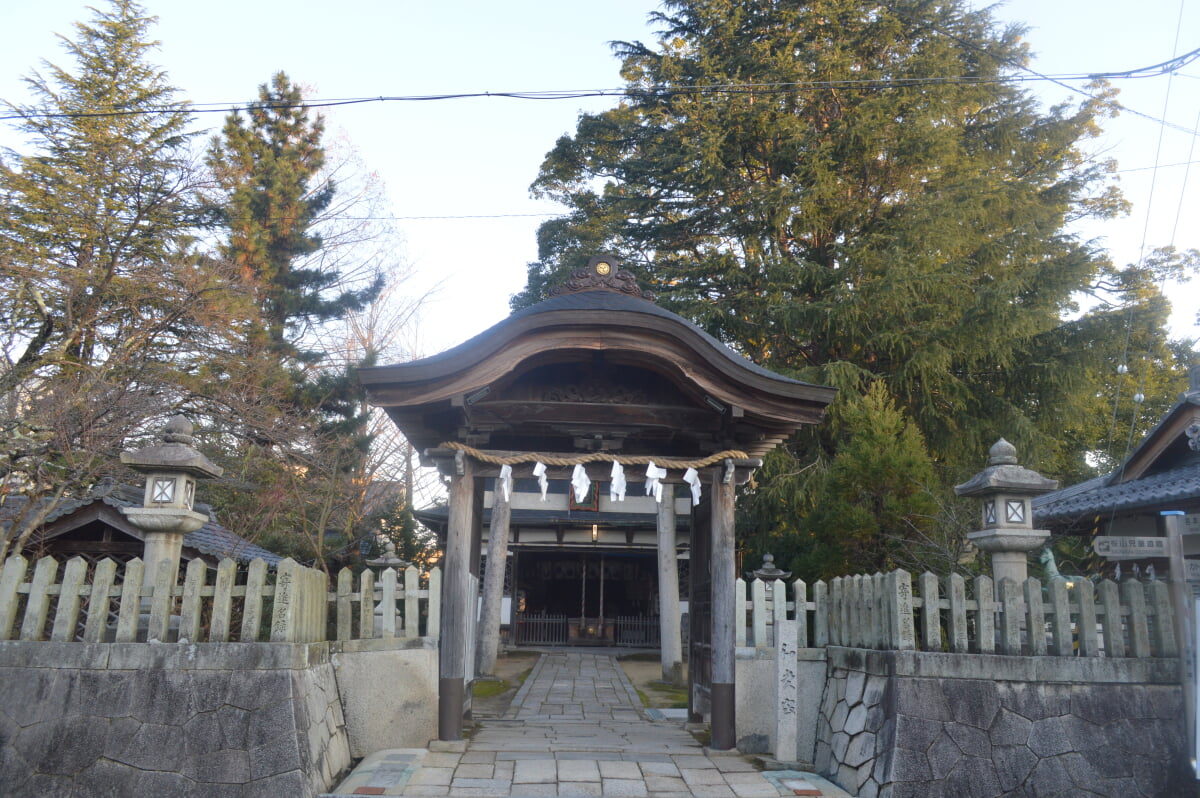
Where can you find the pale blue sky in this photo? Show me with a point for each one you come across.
(478, 157)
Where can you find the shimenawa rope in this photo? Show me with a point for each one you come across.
(593, 457)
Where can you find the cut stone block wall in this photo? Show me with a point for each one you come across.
(908, 724)
(218, 719)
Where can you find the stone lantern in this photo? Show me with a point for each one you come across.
(389, 558)
(769, 572)
(171, 468)
(1007, 533)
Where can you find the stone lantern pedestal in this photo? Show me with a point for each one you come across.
(1007, 533)
(171, 468)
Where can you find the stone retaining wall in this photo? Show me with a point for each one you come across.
(899, 724)
(389, 692)
(218, 719)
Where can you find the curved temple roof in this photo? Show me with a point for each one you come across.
(595, 369)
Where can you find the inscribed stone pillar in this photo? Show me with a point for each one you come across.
(493, 581)
(456, 601)
(787, 691)
(670, 634)
(724, 572)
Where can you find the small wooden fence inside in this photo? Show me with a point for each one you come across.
(883, 611)
(249, 603)
(638, 631)
(540, 630)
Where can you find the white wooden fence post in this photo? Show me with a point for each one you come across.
(759, 593)
(800, 598)
(10, 580)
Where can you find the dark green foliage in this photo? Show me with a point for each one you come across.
(300, 444)
(414, 543)
(850, 192)
(268, 165)
(95, 218)
(877, 499)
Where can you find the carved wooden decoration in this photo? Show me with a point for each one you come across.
(595, 392)
(604, 273)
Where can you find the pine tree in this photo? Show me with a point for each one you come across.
(851, 191)
(303, 437)
(268, 165)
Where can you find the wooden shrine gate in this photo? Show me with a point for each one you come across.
(700, 616)
(595, 374)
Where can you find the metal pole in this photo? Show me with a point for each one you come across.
(1185, 630)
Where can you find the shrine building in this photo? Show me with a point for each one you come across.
(588, 396)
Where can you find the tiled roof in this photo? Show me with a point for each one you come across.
(211, 539)
(217, 541)
(1181, 484)
(611, 301)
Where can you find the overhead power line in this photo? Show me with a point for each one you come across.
(867, 84)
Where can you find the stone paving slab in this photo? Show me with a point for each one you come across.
(576, 728)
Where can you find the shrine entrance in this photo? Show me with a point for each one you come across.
(589, 598)
(636, 411)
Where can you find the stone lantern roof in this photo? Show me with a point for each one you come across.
(174, 453)
(1004, 474)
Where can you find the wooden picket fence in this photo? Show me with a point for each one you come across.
(882, 611)
(292, 604)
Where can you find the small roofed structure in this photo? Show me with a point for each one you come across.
(598, 374)
(94, 527)
(1161, 474)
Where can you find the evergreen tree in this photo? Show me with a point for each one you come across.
(268, 165)
(852, 191)
(102, 302)
(302, 437)
(875, 507)
(94, 220)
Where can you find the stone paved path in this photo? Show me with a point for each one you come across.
(576, 728)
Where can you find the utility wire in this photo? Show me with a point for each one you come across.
(1139, 397)
(1155, 70)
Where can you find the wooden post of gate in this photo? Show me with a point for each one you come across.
(724, 571)
(456, 602)
(670, 634)
(493, 580)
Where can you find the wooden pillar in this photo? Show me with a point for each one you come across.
(515, 607)
(724, 572)
(456, 601)
(473, 559)
(670, 636)
(700, 613)
(493, 581)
